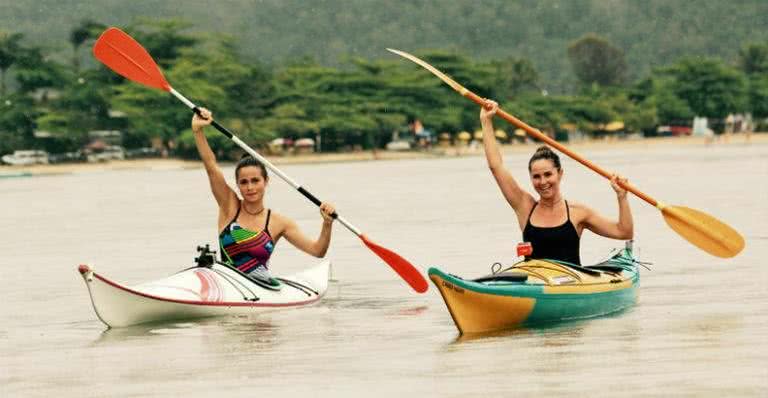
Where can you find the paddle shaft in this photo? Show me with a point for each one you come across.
(312, 198)
(560, 147)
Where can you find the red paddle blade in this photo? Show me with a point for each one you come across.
(129, 59)
(406, 270)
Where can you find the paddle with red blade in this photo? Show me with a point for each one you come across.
(124, 55)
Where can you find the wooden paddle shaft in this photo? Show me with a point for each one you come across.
(560, 147)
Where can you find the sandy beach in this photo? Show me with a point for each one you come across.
(437, 152)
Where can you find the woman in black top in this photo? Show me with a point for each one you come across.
(551, 224)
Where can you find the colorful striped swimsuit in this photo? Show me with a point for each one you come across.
(246, 250)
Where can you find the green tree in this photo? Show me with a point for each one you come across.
(10, 50)
(656, 93)
(165, 39)
(709, 87)
(17, 122)
(87, 29)
(81, 106)
(596, 61)
(34, 70)
(758, 95)
(514, 76)
(753, 58)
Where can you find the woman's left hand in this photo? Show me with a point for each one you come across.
(327, 210)
(621, 193)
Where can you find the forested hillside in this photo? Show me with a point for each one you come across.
(303, 69)
(650, 32)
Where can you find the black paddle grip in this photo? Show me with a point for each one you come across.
(314, 199)
(222, 129)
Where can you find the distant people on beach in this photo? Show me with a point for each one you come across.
(736, 124)
(423, 137)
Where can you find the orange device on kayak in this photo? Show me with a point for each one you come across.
(524, 249)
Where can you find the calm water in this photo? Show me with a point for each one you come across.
(700, 327)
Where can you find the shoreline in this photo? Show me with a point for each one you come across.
(437, 152)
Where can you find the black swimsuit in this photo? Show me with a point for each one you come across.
(555, 243)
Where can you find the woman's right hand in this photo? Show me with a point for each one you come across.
(199, 122)
(488, 110)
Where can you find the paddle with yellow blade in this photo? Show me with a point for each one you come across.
(704, 231)
(125, 56)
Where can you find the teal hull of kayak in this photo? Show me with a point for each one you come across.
(551, 292)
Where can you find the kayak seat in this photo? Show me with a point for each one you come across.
(265, 282)
(607, 268)
(503, 277)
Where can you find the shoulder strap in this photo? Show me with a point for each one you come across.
(567, 210)
(531, 213)
(237, 214)
(266, 224)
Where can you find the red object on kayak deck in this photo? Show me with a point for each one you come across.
(524, 249)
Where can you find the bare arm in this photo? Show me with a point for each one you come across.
(623, 228)
(520, 200)
(316, 248)
(224, 195)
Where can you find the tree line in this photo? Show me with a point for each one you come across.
(357, 103)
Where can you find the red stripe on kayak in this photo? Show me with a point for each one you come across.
(204, 285)
(207, 303)
(217, 293)
(210, 290)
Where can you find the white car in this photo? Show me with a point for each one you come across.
(108, 153)
(26, 158)
(399, 145)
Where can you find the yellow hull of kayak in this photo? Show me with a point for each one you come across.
(548, 292)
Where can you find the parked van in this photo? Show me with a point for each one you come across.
(112, 152)
(26, 158)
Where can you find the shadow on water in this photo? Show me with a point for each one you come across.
(245, 325)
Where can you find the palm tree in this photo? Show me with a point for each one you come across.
(9, 54)
(753, 58)
(87, 29)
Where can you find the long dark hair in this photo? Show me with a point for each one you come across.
(543, 152)
(247, 161)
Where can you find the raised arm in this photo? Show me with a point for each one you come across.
(224, 195)
(318, 247)
(520, 200)
(623, 228)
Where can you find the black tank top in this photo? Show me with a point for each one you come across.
(555, 243)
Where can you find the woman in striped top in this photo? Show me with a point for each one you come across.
(248, 231)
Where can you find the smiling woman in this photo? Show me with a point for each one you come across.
(551, 224)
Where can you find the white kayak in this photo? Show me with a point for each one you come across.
(201, 291)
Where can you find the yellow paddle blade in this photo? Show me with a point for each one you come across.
(704, 231)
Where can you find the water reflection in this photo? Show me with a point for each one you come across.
(568, 329)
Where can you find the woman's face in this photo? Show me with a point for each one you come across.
(545, 178)
(251, 183)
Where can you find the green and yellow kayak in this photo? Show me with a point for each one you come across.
(539, 291)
